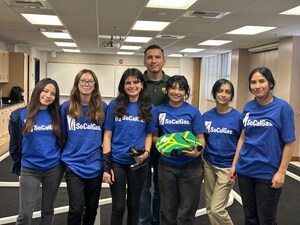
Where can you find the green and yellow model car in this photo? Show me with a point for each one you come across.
(173, 144)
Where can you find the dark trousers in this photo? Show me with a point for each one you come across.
(260, 201)
(134, 180)
(30, 181)
(84, 197)
(150, 202)
(179, 192)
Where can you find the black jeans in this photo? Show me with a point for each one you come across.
(84, 197)
(135, 180)
(260, 201)
(179, 192)
(150, 202)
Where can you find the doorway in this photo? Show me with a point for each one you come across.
(36, 71)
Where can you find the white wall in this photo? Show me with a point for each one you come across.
(173, 66)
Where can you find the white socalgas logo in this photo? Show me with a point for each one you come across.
(71, 123)
(161, 118)
(246, 119)
(208, 125)
(221, 130)
(256, 123)
(77, 126)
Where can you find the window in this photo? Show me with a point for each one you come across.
(214, 68)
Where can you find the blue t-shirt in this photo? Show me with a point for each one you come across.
(40, 149)
(127, 131)
(179, 119)
(82, 151)
(267, 129)
(223, 132)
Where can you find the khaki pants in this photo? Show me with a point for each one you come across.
(217, 190)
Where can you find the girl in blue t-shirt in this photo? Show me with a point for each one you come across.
(83, 117)
(130, 122)
(179, 176)
(264, 149)
(223, 124)
(35, 147)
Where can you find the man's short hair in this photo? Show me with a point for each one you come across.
(153, 47)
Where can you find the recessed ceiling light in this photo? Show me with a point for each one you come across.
(137, 39)
(66, 44)
(130, 47)
(214, 42)
(250, 30)
(39, 19)
(175, 55)
(192, 50)
(58, 35)
(71, 50)
(125, 53)
(150, 25)
(170, 4)
(294, 11)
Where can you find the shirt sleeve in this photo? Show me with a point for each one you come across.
(198, 123)
(15, 141)
(152, 124)
(288, 124)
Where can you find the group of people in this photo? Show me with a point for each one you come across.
(90, 142)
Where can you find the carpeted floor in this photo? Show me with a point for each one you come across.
(288, 211)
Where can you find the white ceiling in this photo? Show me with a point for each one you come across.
(87, 19)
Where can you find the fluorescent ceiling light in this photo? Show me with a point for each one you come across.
(70, 50)
(192, 50)
(168, 36)
(214, 42)
(130, 47)
(250, 30)
(42, 19)
(294, 11)
(170, 4)
(66, 44)
(58, 35)
(175, 55)
(125, 53)
(137, 39)
(150, 25)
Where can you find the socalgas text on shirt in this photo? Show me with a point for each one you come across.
(86, 126)
(258, 123)
(179, 121)
(129, 118)
(220, 130)
(42, 127)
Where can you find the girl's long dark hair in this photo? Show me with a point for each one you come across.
(122, 100)
(54, 109)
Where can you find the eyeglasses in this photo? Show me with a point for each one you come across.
(89, 82)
